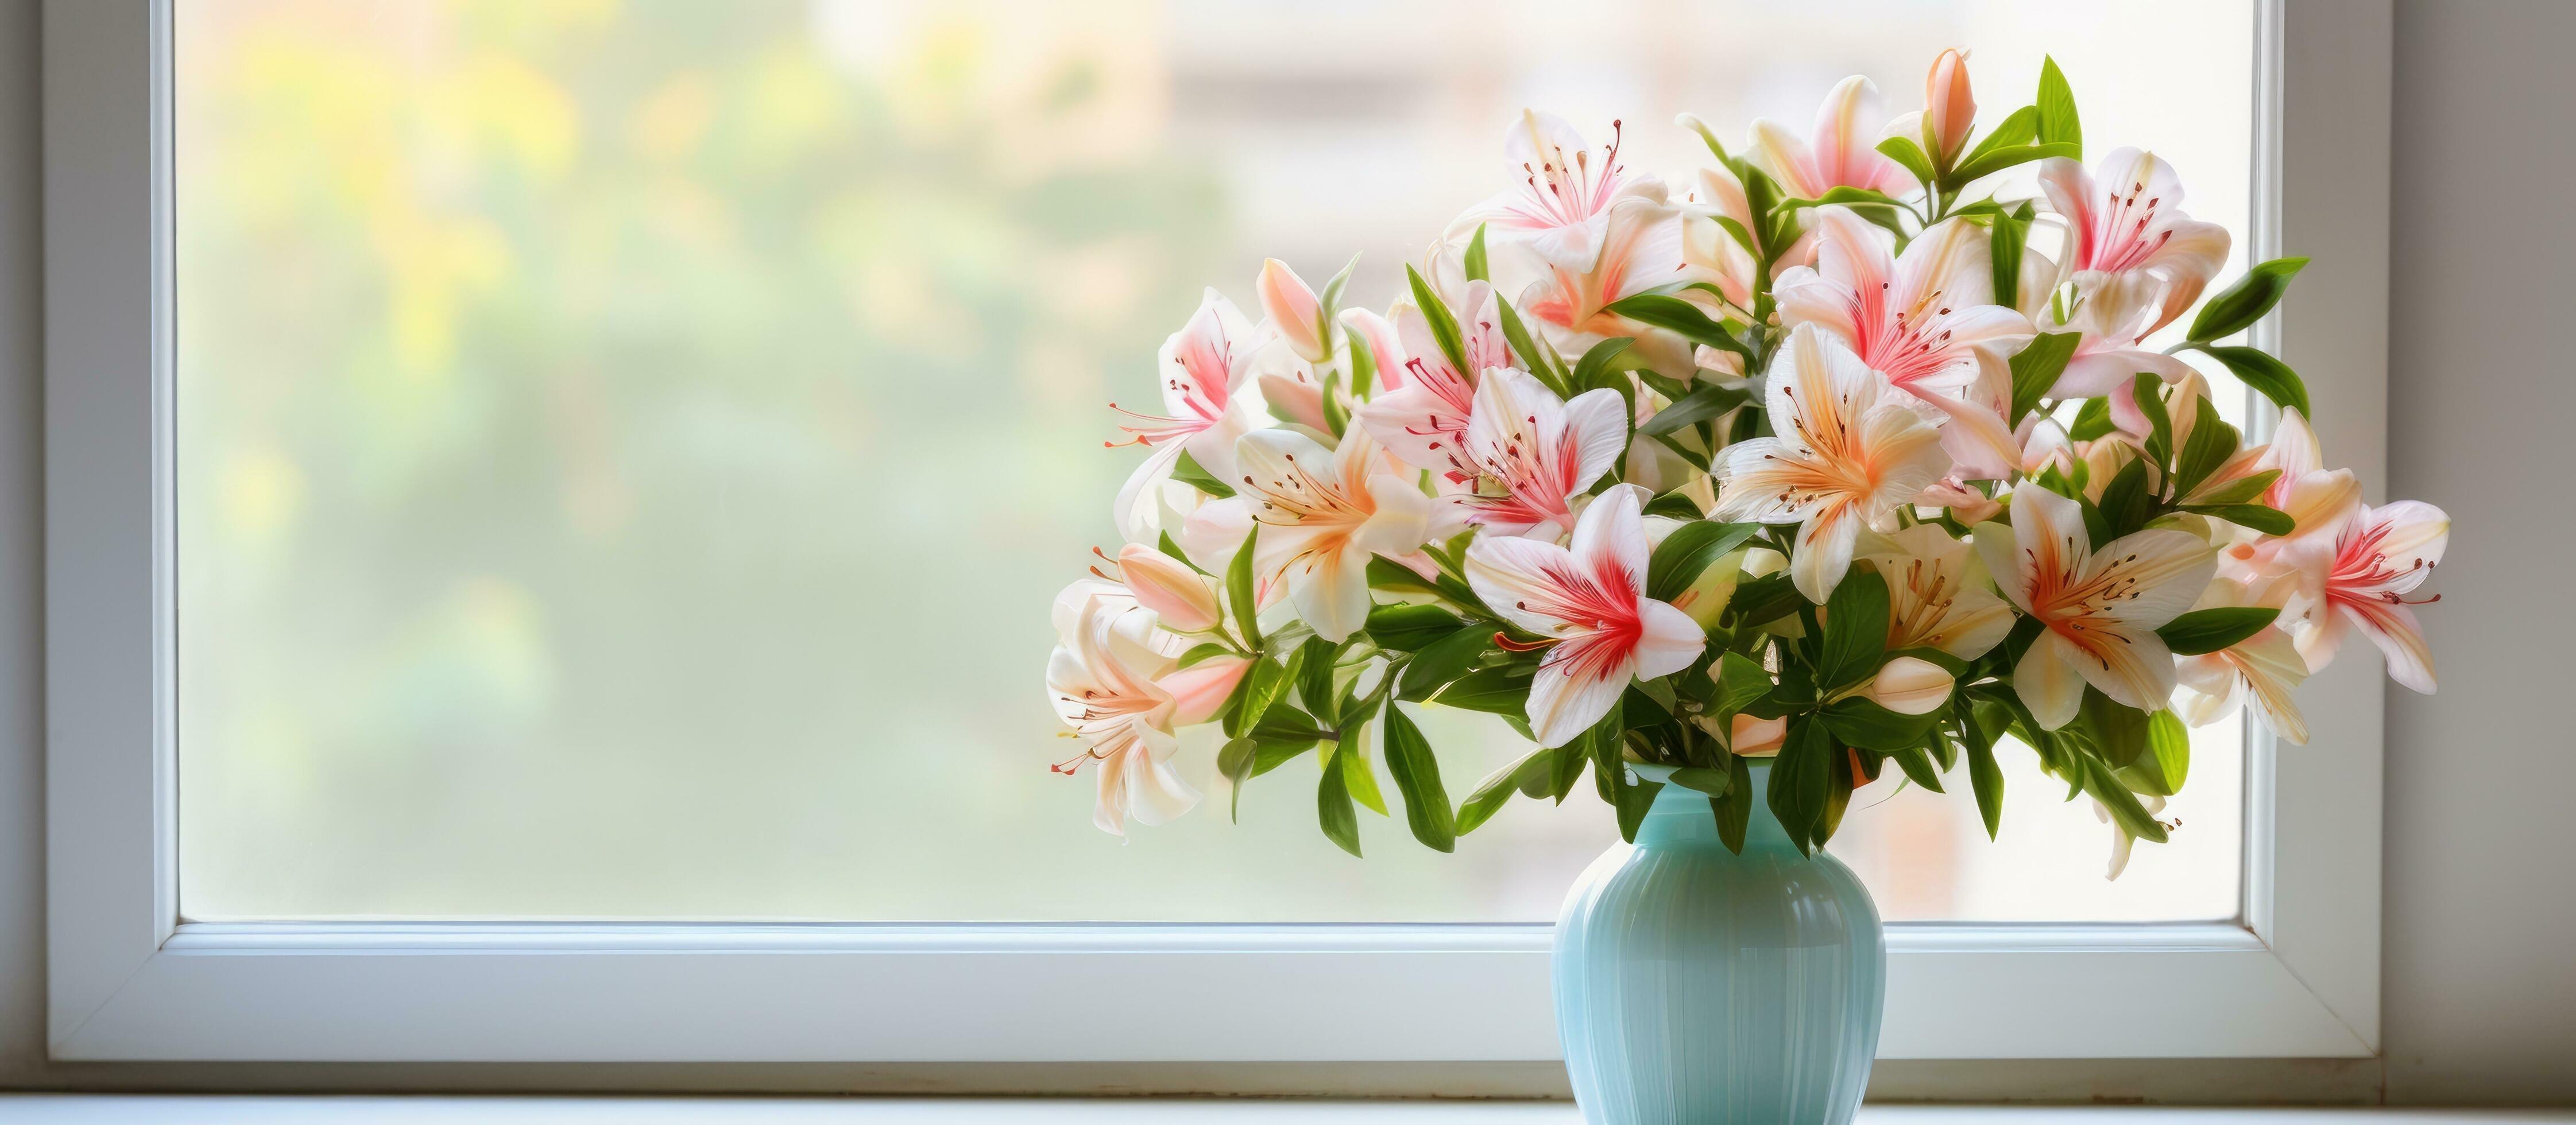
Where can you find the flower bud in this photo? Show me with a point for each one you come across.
(1949, 106)
(1372, 332)
(1910, 686)
(1183, 598)
(1293, 308)
(1758, 738)
(1200, 690)
(1707, 595)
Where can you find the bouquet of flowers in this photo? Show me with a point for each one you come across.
(1836, 457)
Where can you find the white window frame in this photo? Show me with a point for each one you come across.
(2296, 976)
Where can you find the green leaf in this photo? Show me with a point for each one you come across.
(1760, 601)
(2239, 306)
(1238, 590)
(1444, 327)
(2211, 630)
(1740, 681)
(1333, 810)
(1734, 812)
(2000, 159)
(1407, 628)
(1188, 471)
(1330, 301)
(1694, 408)
(1363, 370)
(1498, 787)
(1203, 652)
(1681, 317)
(2211, 443)
(2092, 420)
(1581, 749)
(1336, 418)
(2145, 390)
(1594, 370)
(2125, 505)
(2240, 490)
(1314, 662)
(2037, 365)
(1436, 664)
(2056, 106)
(1909, 155)
(2119, 731)
(2103, 784)
(1500, 691)
(1535, 361)
(1861, 722)
(2269, 377)
(2017, 130)
(1386, 574)
(1713, 782)
(1673, 505)
(2004, 242)
(1358, 776)
(1417, 777)
(1984, 775)
(1235, 762)
(1262, 686)
(1476, 266)
(2269, 521)
(1799, 779)
(2166, 763)
(1685, 554)
(1855, 630)
(1918, 768)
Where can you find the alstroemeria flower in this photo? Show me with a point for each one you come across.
(1937, 596)
(2101, 607)
(2115, 314)
(1850, 447)
(1543, 451)
(1183, 598)
(2379, 556)
(1102, 683)
(1640, 249)
(1324, 513)
(1843, 151)
(1294, 311)
(1919, 320)
(2263, 668)
(1203, 368)
(1909, 685)
(1421, 415)
(1561, 208)
(2130, 220)
(1590, 602)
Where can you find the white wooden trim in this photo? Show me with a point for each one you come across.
(2299, 977)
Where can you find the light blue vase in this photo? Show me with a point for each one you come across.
(1695, 986)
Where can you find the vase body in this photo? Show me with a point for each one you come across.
(1695, 986)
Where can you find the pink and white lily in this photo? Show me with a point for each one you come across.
(1924, 321)
(2115, 312)
(1204, 367)
(1541, 450)
(1590, 602)
(1850, 448)
(1937, 594)
(2128, 219)
(1841, 152)
(2100, 606)
(1323, 514)
(1421, 413)
(1102, 682)
(1561, 207)
(2378, 557)
(2262, 669)
(1641, 248)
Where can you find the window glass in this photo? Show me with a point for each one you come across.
(627, 450)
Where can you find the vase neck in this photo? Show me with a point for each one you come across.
(1681, 814)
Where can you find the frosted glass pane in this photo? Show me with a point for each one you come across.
(627, 450)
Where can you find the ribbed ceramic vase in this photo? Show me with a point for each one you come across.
(1695, 986)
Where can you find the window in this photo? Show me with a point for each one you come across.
(575, 461)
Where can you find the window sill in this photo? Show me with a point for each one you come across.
(95, 1109)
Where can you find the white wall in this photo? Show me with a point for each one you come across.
(2480, 944)
(2480, 1001)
